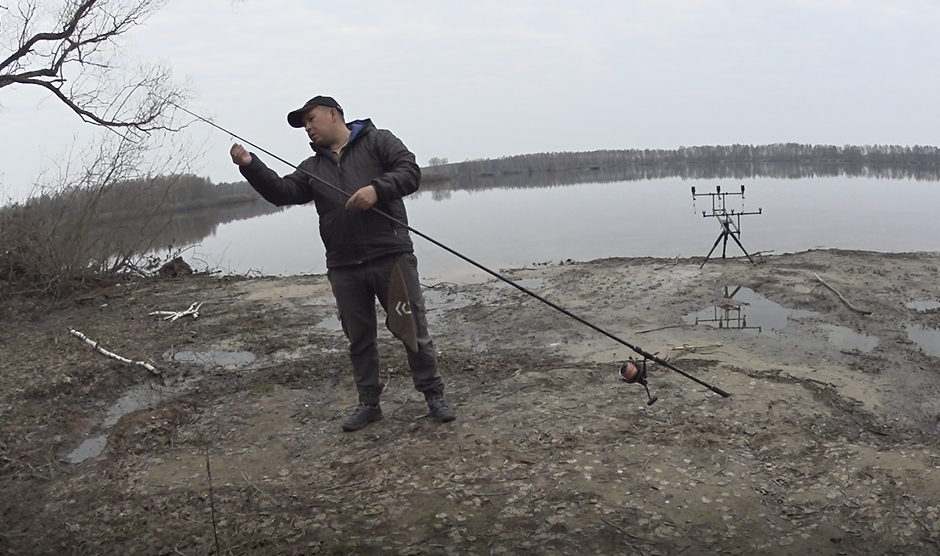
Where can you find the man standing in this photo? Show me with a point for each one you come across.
(368, 255)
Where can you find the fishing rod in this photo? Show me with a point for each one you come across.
(630, 372)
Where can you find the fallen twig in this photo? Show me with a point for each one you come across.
(97, 347)
(722, 468)
(820, 382)
(501, 396)
(869, 429)
(844, 300)
(687, 347)
(215, 532)
(660, 328)
(347, 485)
(392, 412)
(619, 528)
(674, 263)
(173, 315)
(257, 490)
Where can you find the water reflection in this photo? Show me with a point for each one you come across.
(190, 227)
(712, 171)
(923, 305)
(926, 338)
(850, 340)
(519, 220)
(730, 314)
(746, 310)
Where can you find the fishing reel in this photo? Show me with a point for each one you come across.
(633, 372)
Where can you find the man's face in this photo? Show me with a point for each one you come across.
(318, 122)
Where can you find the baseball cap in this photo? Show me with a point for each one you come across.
(295, 118)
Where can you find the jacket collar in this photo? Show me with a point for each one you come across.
(357, 128)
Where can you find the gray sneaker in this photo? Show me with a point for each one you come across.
(441, 409)
(363, 415)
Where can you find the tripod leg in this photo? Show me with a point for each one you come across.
(722, 235)
(724, 246)
(736, 240)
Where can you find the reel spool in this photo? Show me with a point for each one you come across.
(631, 372)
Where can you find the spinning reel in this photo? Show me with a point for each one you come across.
(635, 372)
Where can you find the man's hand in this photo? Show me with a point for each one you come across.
(363, 199)
(240, 156)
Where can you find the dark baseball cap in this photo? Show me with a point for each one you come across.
(296, 118)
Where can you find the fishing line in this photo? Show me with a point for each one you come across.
(628, 373)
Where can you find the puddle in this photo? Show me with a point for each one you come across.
(211, 357)
(748, 311)
(88, 449)
(445, 299)
(848, 339)
(922, 305)
(439, 300)
(927, 339)
(140, 397)
(331, 323)
(531, 284)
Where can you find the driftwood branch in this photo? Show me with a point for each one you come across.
(660, 328)
(688, 347)
(173, 315)
(844, 300)
(97, 347)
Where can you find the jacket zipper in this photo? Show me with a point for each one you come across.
(342, 185)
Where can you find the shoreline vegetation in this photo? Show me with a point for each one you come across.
(68, 235)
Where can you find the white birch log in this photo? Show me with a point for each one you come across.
(97, 347)
(173, 315)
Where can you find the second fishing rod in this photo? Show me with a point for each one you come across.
(629, 372)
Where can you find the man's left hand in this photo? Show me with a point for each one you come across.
(363, 199)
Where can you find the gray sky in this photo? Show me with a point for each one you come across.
(488, 78)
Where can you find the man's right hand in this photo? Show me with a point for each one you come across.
(240, 156)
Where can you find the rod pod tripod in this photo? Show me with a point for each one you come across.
(730, 221)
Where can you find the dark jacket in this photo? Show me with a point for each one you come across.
(372, 156)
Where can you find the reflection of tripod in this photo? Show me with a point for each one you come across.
(732, 317)
(730, 222)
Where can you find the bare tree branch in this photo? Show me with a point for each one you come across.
(71, 48)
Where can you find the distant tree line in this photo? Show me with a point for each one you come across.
(787, 160)
(133, 198)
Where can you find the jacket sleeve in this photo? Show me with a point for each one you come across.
(402, 175)
(292, 189)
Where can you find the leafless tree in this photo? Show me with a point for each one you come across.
(74, 232)
(72, 48)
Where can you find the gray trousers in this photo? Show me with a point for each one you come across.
(356, 289)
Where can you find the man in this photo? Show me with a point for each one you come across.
(368, 255)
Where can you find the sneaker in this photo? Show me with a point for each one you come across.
(363, 415)
(441, 409)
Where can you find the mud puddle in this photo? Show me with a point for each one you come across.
(744, 309)
(138, 398)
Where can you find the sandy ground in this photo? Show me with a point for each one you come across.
(828, 443)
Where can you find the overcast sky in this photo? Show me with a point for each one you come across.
(487, 78)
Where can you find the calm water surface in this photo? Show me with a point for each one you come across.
(507, 228)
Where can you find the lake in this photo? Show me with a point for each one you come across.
(514, 227)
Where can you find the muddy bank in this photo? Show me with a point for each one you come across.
(828, 444)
